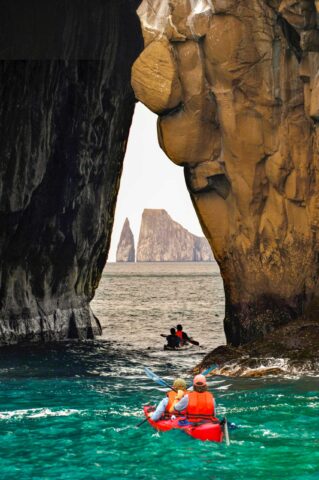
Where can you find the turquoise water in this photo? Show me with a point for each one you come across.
(70, 411)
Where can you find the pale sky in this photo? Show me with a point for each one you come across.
(150, 180)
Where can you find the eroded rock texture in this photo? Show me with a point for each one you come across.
(65, 113)
(162, 239)
(126, 249)
(236, 86)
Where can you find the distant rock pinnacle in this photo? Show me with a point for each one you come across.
(163, 240)
(126, 249)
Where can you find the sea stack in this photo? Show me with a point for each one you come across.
(126, 249)
(162, 239)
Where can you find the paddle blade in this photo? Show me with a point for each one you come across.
(155, 378)
(205, 372)
(208, 370)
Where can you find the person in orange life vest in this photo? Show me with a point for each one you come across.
(172, 398)
(197, 403)
(184, 338)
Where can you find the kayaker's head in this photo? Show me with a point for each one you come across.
(200, 384)
(179, 384)
(173, 331)
(179, 327)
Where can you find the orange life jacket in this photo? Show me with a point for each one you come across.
(171, 397)
(200, 403)
(179, 333)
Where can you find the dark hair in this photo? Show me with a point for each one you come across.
(200, 388)
(173, 331)
(179, 327)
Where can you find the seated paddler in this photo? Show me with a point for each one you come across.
(198, 404)
(201, 403)
(172, 403)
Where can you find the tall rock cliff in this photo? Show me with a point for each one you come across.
(65, 114)
(163, 240)
(236, 86)
(126, 249)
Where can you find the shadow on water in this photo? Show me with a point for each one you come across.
(88, 358)
(64, 359)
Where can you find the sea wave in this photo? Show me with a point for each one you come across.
(38, 413)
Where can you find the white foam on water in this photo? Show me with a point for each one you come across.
(263, 368)
(129, 413)
(46, 412)
(269, 433)
(257, 408)
(223, 387)
(120, 429)
(37, 413)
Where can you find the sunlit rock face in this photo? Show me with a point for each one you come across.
(161, 239)
(236, 86)
(65, 113)
(126, 248)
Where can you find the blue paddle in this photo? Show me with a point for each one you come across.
(162, 382)
(157, 379)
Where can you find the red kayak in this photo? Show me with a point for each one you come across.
(206, 429)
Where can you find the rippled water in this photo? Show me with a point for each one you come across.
(70, 411)
(138, 302)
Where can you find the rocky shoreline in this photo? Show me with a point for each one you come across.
(291, 349)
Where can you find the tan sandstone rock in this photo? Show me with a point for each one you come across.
(125, 251)
(245, 130)
(155, 77)
(161, 239)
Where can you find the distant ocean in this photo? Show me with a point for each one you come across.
(70, 411)
(136, 302)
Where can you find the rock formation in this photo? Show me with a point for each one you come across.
(126, 250)
(163, 240)
(65, 114)
(236, 86)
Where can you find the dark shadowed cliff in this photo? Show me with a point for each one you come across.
(65, 111)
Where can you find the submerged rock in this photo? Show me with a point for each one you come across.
(126, 249)
(244, 126)
(162, 239)
(65, 114)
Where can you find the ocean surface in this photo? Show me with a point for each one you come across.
(71, 411)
